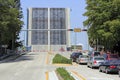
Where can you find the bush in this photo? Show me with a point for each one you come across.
(61, 59)
(64, 74)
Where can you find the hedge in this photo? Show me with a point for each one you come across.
(64, 74)
(61, 59)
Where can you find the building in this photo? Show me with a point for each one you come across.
(48, 29)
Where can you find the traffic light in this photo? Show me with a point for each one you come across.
(84, 29)
(70, 29)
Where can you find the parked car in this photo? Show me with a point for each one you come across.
(112, 57)
(95, 53)
(82, 59)
(109, 66)
(75, 55)
(95, 61)
(119, 70)
(89, 53)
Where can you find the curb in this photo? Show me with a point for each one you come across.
(62, 65)
(51, 76)
(77, 76)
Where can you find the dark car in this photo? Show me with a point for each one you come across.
(95, 53)
(112, 57)
(75, 55)
(89, 53)
(109, 66)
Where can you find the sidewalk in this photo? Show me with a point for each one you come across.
(3, 57)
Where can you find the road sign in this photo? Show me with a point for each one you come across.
(77, 29)
(5, 46)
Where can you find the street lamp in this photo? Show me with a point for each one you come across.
(76, 30)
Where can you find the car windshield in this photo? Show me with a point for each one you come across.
(84, 56)
(96, 53)
(78, 53)
(72, 54)
(113, 61)
(114, 56)
(99, 58)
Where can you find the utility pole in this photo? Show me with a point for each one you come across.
(76, 30)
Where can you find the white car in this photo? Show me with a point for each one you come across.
(95, 61)
(83, 59)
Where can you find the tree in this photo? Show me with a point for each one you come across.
(103, 22)
(10, 22)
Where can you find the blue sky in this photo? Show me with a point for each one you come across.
(76, 15)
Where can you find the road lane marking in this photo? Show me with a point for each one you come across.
(77, 74)
(62, 64)
(95, 78)
(74, 64)
(47, 58)
(47, 76)
(53, 75)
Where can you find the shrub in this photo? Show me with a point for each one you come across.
(61, 59)
(64, 74)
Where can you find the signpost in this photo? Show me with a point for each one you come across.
(76, 30)
(5, 46)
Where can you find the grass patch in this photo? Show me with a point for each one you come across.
(64, 74)
(61, 59)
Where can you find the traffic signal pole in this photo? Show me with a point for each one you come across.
(75, 30)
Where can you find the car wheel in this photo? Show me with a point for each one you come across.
(87, 65)
(92, 67)
(106, 71)
(100, 69)
(73, 60)
(119, 73)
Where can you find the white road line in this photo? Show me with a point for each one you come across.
(74, 76)
(53, 76)
(95, 78)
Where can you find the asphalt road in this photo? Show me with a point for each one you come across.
(27, 67)
(33, 66)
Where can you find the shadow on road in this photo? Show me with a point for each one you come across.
(18, 58)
